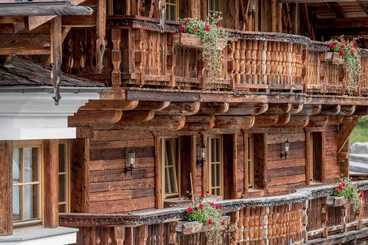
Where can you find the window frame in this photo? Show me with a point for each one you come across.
(67, 174)
(34, 221)
(176, 5)
(176, 195)
(250, 160)
(221, 163)
(211, 11)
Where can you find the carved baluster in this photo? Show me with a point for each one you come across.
(259, 62)
(265, 224)
(139, 57)
(290, 63)
(119, 235)
(142, 235)
(116, 57)
(243, 60)
(264, 59)
(239, 227)
(234, 219)
(324, 217)
(270, 222)
(171, 61)
(345, 211)
(254, 61)
(249, 61)
(279, 59)
(237, 60)
(269, 63)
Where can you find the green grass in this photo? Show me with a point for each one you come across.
(360, 133)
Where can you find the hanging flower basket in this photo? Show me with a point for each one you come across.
(193, 41)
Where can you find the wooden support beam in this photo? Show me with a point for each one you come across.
(152, 106)
(51, 183)
(335, 7)
(100, 34)
(136, 116)
(318, 121)
(242, 109)
(361, 110)
(331, 110)
(86, 118)
(234, 122)
(6, 188)
(297, 122)
(310, 110)
(199, 123)
(79, 189)
(158, 173)
(266, 120)
(283, 119)
(347, 110)
(24, 44)
(116, 57)
(110, 105)
(336, 23)
(279, 109)
(296, 108)
(335, 120)
(364, 5)
(345, 131)
(213, 108)
(180, 108)
(158, 123)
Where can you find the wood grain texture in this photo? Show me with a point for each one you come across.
(6, 188)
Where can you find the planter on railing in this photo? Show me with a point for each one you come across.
(193, 41)
(337, 201)
(332, 57)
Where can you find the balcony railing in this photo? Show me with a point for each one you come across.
(139, 53)
(299, 218)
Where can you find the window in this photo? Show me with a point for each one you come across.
(215, 166)
(172, 10)
(171, 165)
(250, 161)
(315, 165)
(27, 184)
(214, 6)
(63, 178)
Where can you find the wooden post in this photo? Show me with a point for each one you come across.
(51, 183)
(245, 162)
(6, 188)
(119, 235)
(116, 57)
(305, 220)
(324, 217)
(235, 167)
(142, 235)
(56, 56)
(79, 189)
(158, 173)
(323, 156)
(193, 161)
(308, 156)
(100, 33)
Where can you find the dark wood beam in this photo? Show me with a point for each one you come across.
(136, 116)
(178, 108)
(199, 123)
(234, 122)
(335, 7)
(110, 105)
(266, 120)
(86, 118)
(364, 5)
(338, 23)
(330, 110)
(212, 108)
(314, 1)
(283, 119)
(310, 110)
(347, 110)
(56, 57)
(297, 122)
(279, 109)
(158, 123)
(247, 109)
(25, 44)
(152, 105)
(6, 188)
(345, 131)
(318, 121)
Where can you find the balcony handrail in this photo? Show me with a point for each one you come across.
(157, 216)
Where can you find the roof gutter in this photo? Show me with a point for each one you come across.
(48, 8)
(50, 89)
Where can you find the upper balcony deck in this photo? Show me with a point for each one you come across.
(138, 53)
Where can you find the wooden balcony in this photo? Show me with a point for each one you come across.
(299, 218)
(139, 53)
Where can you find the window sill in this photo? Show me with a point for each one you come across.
(315, 183)
(254, 193)
(41, 236)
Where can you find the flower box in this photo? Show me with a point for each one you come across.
(332, 57)
(335, 201)
(189, 227)
(193, 41)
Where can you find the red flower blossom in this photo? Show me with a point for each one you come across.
(218, 206)
(361, 194)
(352, 51)
(181, 28)
(201, 207)
(338, 189)
(190, 210)
(341, 52)
(222, 222)
(342, 185)
(334, 43)
(187, 20)
(207, 28)
(195, 29)
(212, 204)
(210, 221)
(342, 46)
(331, 46)
(219, 25)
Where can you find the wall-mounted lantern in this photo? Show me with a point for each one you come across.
(202, 156)
(130, 161)
(285, 149)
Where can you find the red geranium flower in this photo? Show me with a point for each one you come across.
(218, 206)
(187, 20)
(342, 185)
(342, 46)
(210, 221)
(201, 207)
(331, 46)
(222, 222)
(338, 189)
(190, 210)
(361, 194)
(341, 52)
(181, 28)
(219, 25)
(195, 29)
(207, 28)
(212, 204)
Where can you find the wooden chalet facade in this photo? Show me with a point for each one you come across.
(275, 86)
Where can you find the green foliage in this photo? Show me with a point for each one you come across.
(350, 53)
(209, 31)
(360, 133)
(347, 189)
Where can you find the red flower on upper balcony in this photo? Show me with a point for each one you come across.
(201, 207)
(331, 46)
(219, 25)
(190, 210)
(342, 46)
(195, 29)
(218, 206)
(341, 52)
(338, 189)
(361, 195)
(187, 20)
(181, 28)
(207, 28)
(210, 221)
